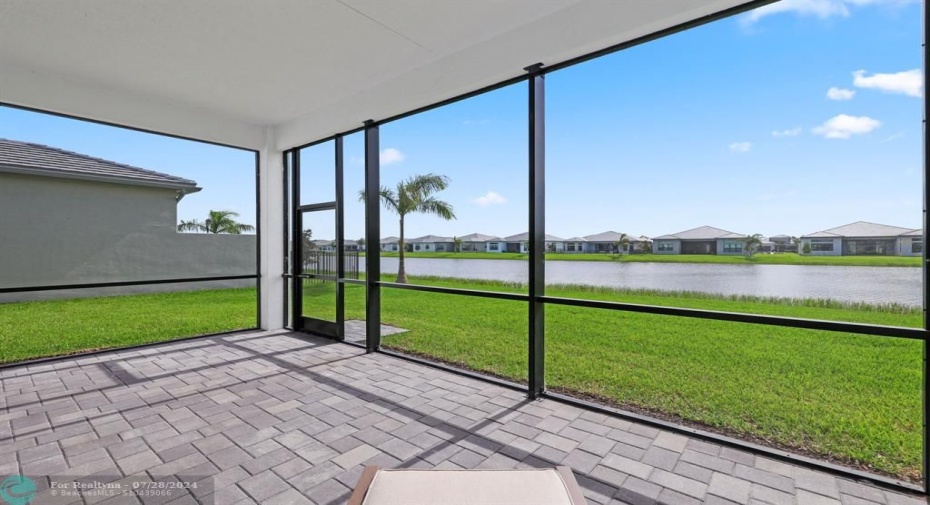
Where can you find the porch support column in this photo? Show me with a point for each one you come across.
(271, 229)
(537, 230)
(372, 237)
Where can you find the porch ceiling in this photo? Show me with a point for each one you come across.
(224, 71)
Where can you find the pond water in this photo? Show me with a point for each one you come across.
(857, 284)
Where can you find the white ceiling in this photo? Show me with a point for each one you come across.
(231, 71)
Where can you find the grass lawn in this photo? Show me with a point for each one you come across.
(55, 327)
(758, 259)
(850, 398)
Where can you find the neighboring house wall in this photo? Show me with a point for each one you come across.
(730, 246)
(823, 246)
(56, 231)
(911, 246)
(496, 246)
(665, 246)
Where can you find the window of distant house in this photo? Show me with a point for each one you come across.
(665, 247)
(822, 245)
(493, 246)
(917, 246)
(731, 246)
(416, 247)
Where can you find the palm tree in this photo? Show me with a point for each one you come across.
(796, 242)
(457, 244)
(414, 195)
(218, 221)
(622, 243)
(752, 243)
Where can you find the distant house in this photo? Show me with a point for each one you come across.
(864, 239)
(324, 245)
(69, 218)
(575, 245)
(702, 240)
(390, 244)
(782, 243)
(519, 243)
(606, 242)
(477, 242)
(430, 243)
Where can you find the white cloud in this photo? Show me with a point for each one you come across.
(822, 9)
(489, 198)
(835, 93)
(908, 82)
(740, 147)
(792, 132)
(390, 155)
(844, 126)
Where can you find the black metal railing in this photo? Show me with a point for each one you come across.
(323, 263)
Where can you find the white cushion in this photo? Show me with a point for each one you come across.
(468, 487)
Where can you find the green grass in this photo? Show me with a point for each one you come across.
(850, 398)
(758, 259)
(55, 327)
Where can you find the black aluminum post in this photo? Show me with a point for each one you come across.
(286, 230)
(925, 382)
(297, 244)
(537, 231)
(372, 238)
(340, 246)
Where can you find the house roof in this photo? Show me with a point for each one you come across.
(526, 236)
(701, 233)
(612, 237)
(477, 237)
(780, 237)
(38, 159)
(576, 239)
(390, 240)
(863, 229)
(607, 236)
(429, 238)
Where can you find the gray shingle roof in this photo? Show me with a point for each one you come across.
(612, 237)
(607, 236)
(863, 229)
(428, 238)
(390, 240)
(520, 237)
(478, 237)
(701, 233)
(37, 159)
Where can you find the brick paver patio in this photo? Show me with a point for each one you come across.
(284, 418)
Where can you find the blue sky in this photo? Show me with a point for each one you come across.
(798, 117)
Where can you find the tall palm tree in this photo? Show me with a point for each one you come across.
(414, 195)
(218, 221)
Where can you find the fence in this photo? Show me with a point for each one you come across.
(319, 262)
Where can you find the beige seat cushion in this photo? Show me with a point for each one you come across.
(468, 487)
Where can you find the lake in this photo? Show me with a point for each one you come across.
(901, 285)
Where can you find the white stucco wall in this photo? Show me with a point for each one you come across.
(61, 231)
(837, 248)
(676, 246)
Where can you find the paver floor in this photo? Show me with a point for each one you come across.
(276, 417)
